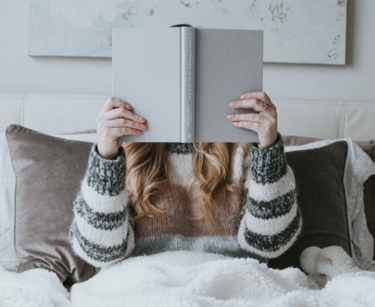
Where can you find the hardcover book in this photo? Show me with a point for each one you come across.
(182, 79)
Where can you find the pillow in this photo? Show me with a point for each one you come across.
(8, 258)
(359, 173)
(369, 190)
(364, 222)
(319, 175)
(48, 172)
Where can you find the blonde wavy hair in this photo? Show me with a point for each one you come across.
(147, 176)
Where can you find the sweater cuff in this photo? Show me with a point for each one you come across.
(106, 177)
(268, 165)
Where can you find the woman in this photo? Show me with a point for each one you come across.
(236, 199)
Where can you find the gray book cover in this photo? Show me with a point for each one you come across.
(181, 79)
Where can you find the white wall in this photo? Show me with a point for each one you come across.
(353, 82)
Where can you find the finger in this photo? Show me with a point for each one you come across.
(252, 103)
(250, 117)
(262, 96)
(257, 127)
(121, 112)
(113, 102)
(122, 122)
(117, 132)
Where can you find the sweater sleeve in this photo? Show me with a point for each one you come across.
(270, 221)
(102, 232)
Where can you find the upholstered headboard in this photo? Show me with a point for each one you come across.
(62, 113)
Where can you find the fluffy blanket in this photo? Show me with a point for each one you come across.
(34, 288)
(201, 279)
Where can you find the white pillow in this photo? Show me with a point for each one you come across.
(358, 168)
(7, 186)
(8, 258)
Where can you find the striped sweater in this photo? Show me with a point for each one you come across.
(103, 232)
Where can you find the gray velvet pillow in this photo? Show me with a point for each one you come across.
(48, 174)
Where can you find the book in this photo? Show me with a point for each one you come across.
(182, 79)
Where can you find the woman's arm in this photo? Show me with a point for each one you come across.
(102, 229)
(102, 232)
(270, 221)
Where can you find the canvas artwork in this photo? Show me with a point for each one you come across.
(295, 31)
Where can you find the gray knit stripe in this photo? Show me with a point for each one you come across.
(268, 165)
(106, 221)
(96, 251)
(273, 243)
(223, 245)
(106, 177)
(271, 209)
(180, 148)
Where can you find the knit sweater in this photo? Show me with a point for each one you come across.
(103, 231)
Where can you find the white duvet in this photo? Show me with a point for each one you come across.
(201, 279)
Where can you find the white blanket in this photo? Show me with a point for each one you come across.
(34, 288)
(201, 279)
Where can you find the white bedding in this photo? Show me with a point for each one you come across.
(201, 279)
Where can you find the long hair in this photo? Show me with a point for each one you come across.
(147, 176)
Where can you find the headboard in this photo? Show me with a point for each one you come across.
(63, 113)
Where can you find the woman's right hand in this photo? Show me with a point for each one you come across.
(114, 120)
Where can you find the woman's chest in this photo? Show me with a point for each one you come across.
(181, 202)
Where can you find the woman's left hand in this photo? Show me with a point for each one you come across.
(264, 123)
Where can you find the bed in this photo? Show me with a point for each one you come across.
(321, 274)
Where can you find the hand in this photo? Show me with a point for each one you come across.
(264, 123)
(113, 121)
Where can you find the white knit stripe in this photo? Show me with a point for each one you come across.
(180, 167)
(107, 238)
(79, 251)
(238, 165)
(242, 242)
(102, 203)
(270, 226)
(271, 191)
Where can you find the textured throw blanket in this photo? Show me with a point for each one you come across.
(201, 279)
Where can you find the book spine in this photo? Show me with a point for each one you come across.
(188, 62)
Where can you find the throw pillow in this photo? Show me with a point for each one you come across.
(363, 178)
(319, 175)
(48, 173)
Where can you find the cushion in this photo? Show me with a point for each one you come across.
(8, 258)
(369, 189)
(361, 199)
(319, 175)
(48, 172)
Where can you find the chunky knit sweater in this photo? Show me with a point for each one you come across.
(103, 231)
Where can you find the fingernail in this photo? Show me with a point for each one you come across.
(142, 119)
(230, 116)
(243, 96)
(232, 104)
(128, 107)
(235, 123)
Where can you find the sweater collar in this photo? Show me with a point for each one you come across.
(180, 148)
